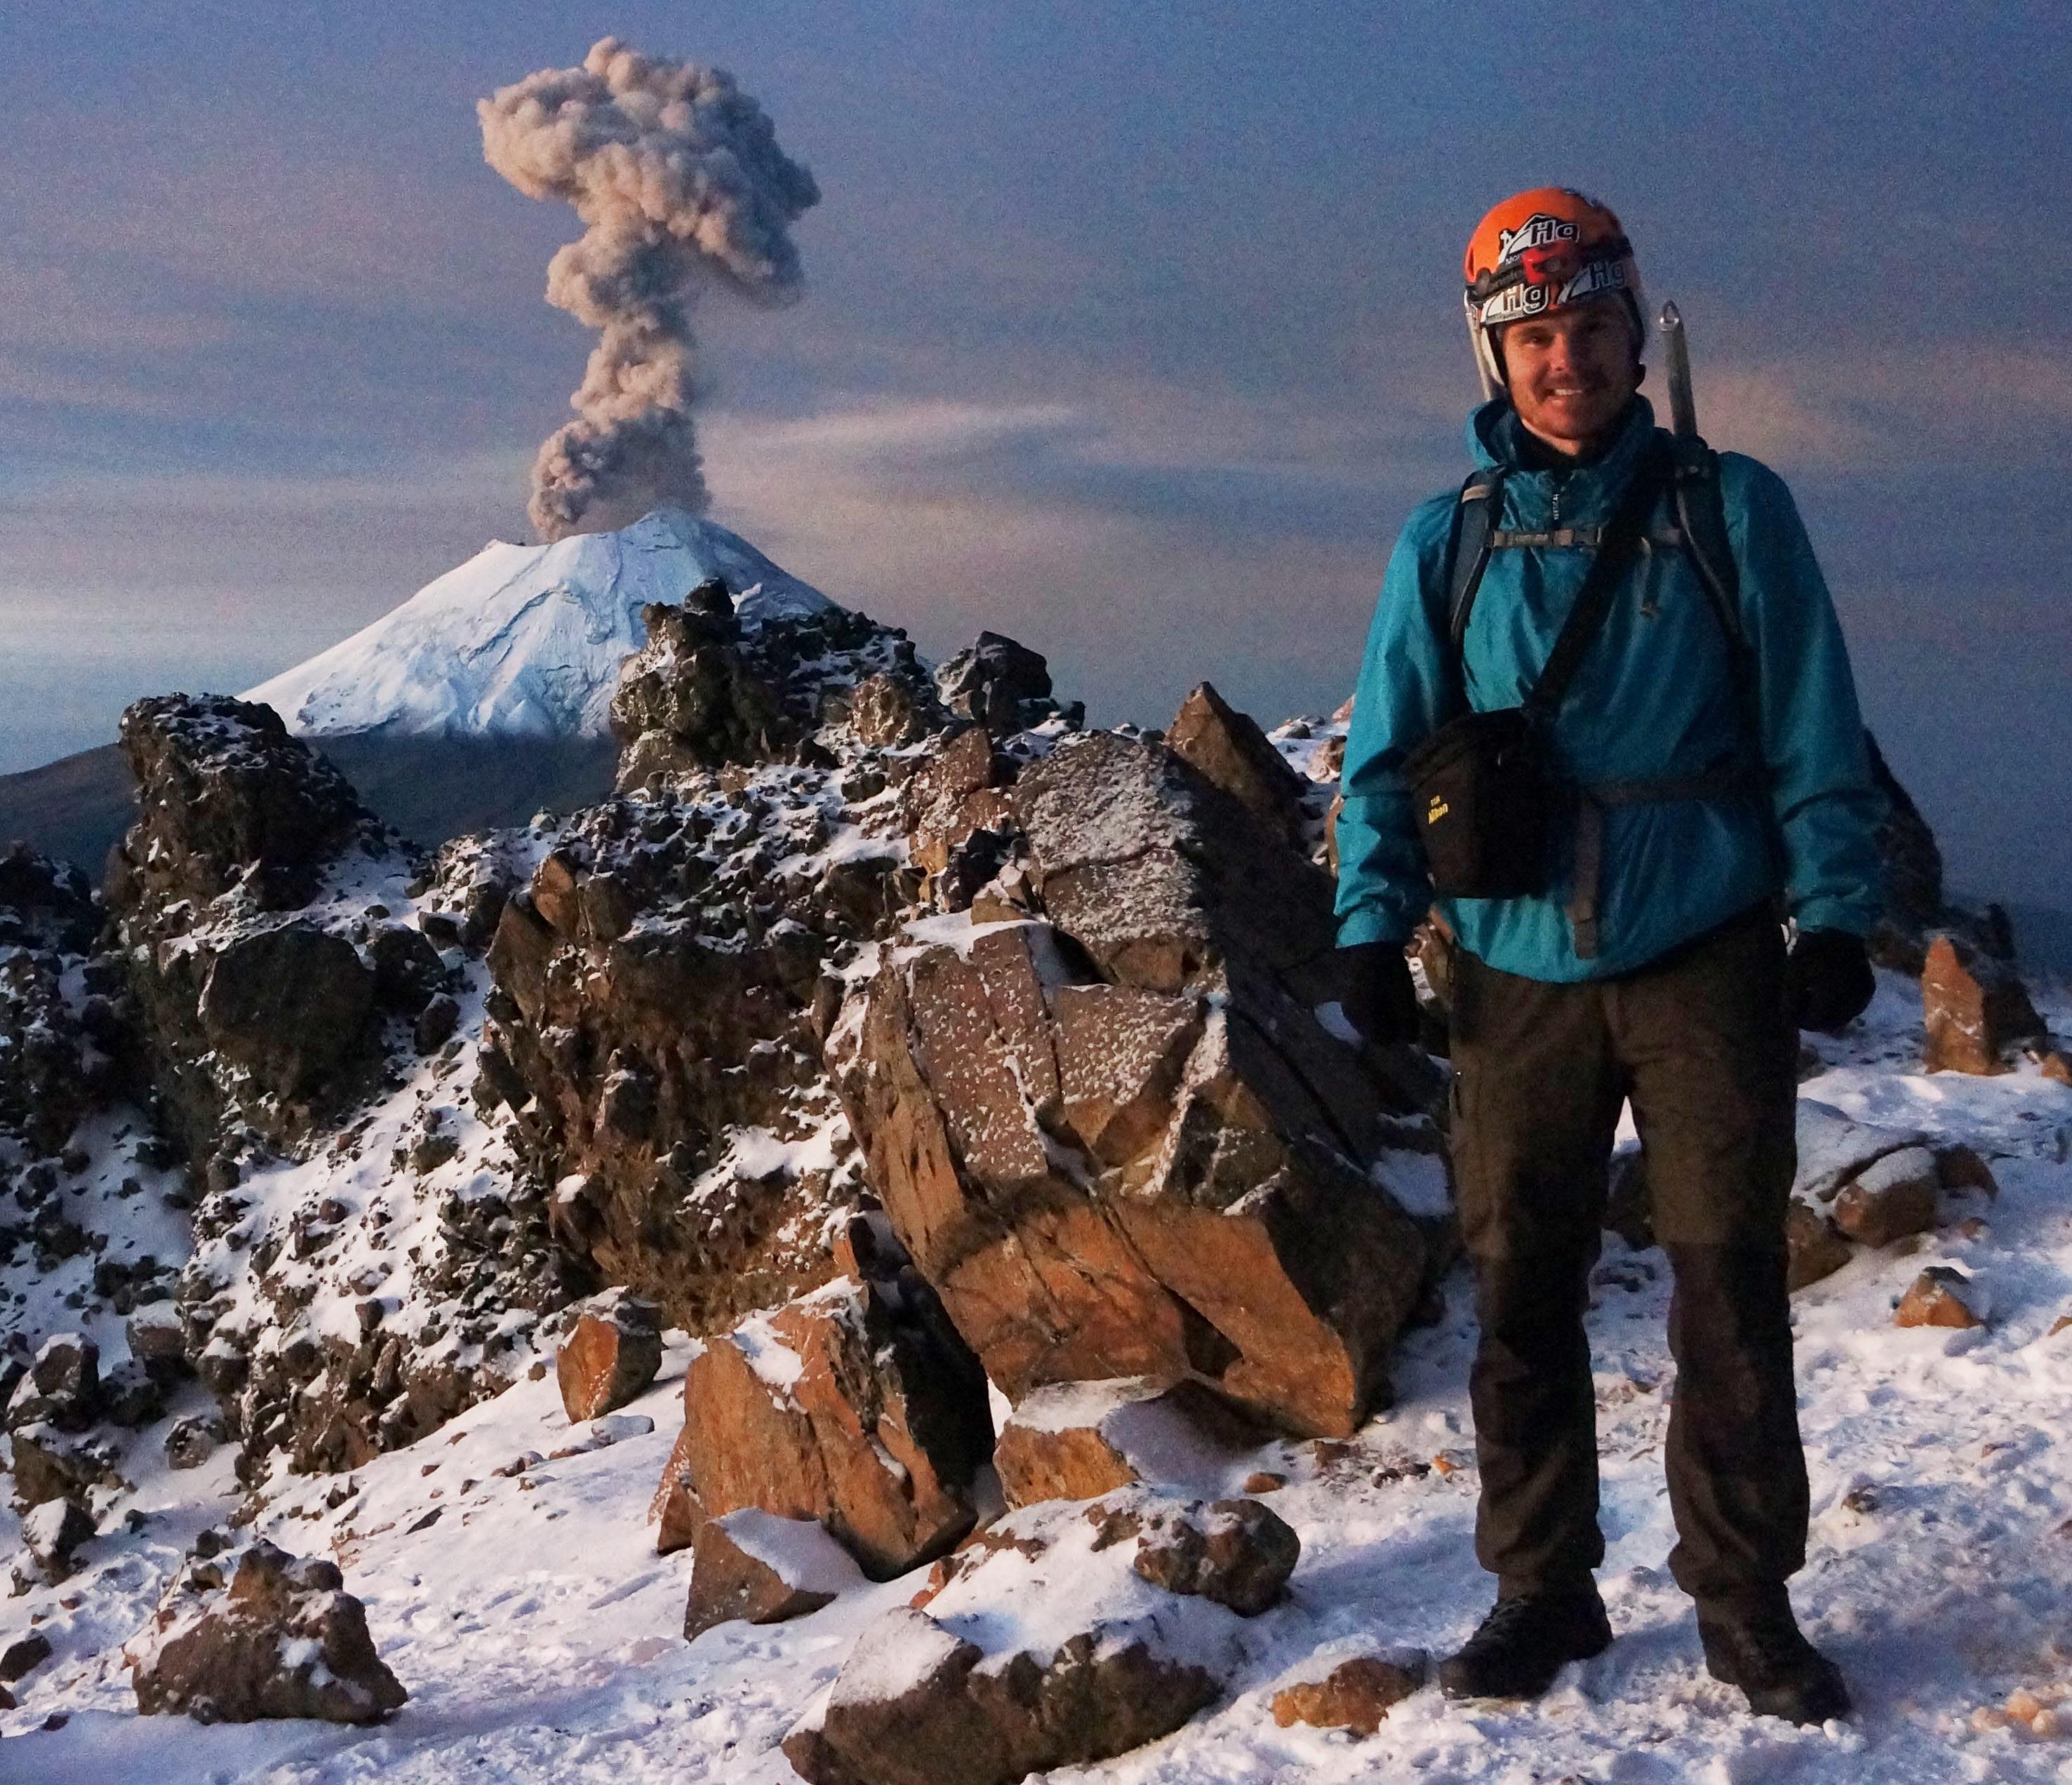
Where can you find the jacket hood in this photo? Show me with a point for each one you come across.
(1496, 437)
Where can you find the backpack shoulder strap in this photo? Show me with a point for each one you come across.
(1701, 515)
(1475, 516)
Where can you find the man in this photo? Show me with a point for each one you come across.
(1710, 779)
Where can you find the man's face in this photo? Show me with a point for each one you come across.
(1570, 373)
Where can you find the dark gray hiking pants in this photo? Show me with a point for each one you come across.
(1701, 1041)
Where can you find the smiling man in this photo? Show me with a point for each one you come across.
(1605, 723)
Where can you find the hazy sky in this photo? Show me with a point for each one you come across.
(1133, 330)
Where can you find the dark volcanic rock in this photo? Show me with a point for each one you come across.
(690, 697)
(50, 1465)
(664, 983)
(52, 1532)
(289, 1004)
(64, 1052)
(252, 1023)
(1916, 905)
(228, 799)
(913, 1706)
(281, 1639)
(1002, 684)
(45, 905)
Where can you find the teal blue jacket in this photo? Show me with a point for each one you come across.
(1655, 699)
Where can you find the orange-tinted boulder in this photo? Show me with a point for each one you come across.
(855, 1405)
(1974, 1008)
(763, 1569)
(613, 1352)
(1356, 1695)
(1941, 1297)
(1123, 1143)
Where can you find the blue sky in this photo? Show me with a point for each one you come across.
(1131, 329)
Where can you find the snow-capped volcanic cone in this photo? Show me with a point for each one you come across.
(524, 640)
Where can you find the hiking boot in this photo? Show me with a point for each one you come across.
(1524, 1643)
(1762, 1651)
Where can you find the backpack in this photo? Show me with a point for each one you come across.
(1693, 476)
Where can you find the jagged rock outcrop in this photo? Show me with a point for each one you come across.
(1121, 1144)
(261, 1634)
(664, 983)
(1004, 686)
(359, 1274)
(960, 826)
(45, 905)
(708, 688)
(262, 1014)
(66, 1022)
(227, 799)
(1228, 748)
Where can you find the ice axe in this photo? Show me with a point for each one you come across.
(1683, 408)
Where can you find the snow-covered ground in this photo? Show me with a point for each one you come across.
(539, 1634)
(525, 640)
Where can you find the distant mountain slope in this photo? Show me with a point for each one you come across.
(524, 640)
(429, 788)
(483, 697)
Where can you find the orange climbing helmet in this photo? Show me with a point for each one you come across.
(1542, 251)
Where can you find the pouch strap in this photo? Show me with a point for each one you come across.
(1722, 783)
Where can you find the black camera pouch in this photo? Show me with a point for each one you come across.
(1483, 788)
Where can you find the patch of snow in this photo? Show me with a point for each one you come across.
(799, 1552)
(1418, 1182)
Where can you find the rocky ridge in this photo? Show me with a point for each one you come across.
(883, 1020)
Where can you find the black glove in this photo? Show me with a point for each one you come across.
(1830, 979)
(1378, 997)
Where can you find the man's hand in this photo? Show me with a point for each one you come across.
(1377, 996)
(1830, 979)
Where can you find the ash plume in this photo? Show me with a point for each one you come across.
(677, 177)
